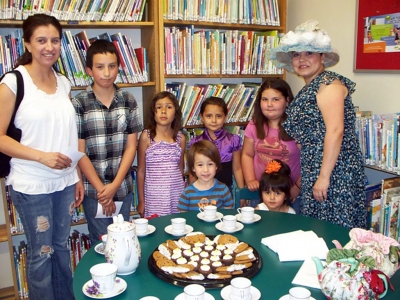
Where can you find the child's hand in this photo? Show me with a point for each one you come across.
(109, 209)
(253, 185)
(107, 192)
(140, 209)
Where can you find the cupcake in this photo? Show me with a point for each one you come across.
(195, 264)
(195, 258)
(220, 247)
(205, 270)
(205, 261)
(227, 259)
(187, 254)
(216, 253)
(204, 254)
(177, 253)
(199, 244)
(215, 265)
(209, 248)
(197, 250)
(181, 261)
(215, 258)
(229, 252)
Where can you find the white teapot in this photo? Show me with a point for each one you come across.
(122, 247)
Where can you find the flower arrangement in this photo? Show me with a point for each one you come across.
(273, 166)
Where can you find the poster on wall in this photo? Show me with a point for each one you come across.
(378, 36)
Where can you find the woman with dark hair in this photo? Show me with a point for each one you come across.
(42, 179)
(322, 120)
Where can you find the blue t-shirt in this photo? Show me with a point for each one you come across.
(191, 196)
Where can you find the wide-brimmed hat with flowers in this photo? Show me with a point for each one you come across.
(306, 37)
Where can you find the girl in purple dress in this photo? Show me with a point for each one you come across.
(213, 113)
(160, 158)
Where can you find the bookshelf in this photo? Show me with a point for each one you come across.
(169, 22)
(144, 34)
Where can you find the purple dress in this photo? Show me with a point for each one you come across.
(163, 184)
(226, 143)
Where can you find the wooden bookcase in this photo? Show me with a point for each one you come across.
(214, 78)
(146, 35)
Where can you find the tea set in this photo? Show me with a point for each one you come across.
(351, 271)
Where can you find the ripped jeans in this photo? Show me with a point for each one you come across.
(47, 220)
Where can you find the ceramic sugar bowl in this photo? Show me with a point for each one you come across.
(122, 247)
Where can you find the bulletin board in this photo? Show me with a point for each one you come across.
(370, 55)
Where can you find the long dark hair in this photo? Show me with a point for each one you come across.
(278, 181)
(259, 119)
(29, 26)
(176, 124)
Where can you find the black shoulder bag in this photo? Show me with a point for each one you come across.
(12, 131)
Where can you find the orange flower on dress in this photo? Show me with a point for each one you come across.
(273, 166)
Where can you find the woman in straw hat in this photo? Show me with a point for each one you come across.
(321, 119)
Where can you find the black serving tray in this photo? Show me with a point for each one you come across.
(207, 283)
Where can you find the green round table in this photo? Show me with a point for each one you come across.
(273, 280)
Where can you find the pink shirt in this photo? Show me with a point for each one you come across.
(271, 147)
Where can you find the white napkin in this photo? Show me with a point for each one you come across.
(297, 245)
(307, 275)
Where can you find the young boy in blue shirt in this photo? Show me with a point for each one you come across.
(108, 123)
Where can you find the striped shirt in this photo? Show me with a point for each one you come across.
(191, 196)
(105, 131)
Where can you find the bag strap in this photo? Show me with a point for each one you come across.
(20, 91)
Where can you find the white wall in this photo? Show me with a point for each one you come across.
(378, 92)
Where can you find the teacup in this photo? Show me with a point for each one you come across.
(240, 288)
(141, 225)
(229, 222)
(103, 276)
(299, 293)
(194, 292)
(178, 225)
(246, 213)
(209, 211)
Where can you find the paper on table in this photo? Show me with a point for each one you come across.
(100, 214)
(73, 154)
(297, 245)
(307, 275)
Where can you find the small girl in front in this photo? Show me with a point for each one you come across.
(203, 160)
(275, 187)
(160, 158)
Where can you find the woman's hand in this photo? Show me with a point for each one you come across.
(320, 189)
(55, 160)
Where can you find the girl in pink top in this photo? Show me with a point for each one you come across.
(266, 140)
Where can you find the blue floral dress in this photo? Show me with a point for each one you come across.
(345, 205)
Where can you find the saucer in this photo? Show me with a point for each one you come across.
(119, 286)
(150, 230)
(99, 248)
(218, 216)
(254, 292)
(207, 296)
(287, 297)
(219, 226)
(188, 229)
(256, 218)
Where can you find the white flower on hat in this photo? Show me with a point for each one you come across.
(306, 37)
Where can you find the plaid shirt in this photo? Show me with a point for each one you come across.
(105, 131)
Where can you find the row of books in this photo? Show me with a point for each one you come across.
(75, 10)
(379, 137)
(72, 61)
(383, 200)
(263, 12)
(238, 97)
(78, 244)
(219, 52)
